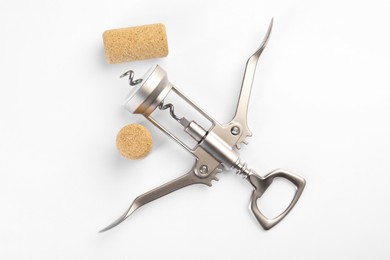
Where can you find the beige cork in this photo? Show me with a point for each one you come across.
(134, 141)
(135, 43)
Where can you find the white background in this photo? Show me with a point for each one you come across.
(320, 107)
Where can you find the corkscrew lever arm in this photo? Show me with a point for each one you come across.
(183, 181)
(240, 116)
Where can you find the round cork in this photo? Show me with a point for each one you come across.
(134, 141)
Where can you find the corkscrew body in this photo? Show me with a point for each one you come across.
(216, 146)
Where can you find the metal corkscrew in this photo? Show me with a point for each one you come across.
(216, 146)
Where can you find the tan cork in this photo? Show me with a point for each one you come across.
(135, 43)
(134, 141)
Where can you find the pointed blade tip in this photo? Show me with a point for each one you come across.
(109, 227)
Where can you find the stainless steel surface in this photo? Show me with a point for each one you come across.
(239, 122)
(240, 118)
(219, 149)
(216, 147)
(195, 131)
(146, 97)
(261, 184)
(188, 179)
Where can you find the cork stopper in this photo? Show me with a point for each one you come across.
(135, 43)
(134, 141)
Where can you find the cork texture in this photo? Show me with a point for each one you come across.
(135, 43)
(134, 141)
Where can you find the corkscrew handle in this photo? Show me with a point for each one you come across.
(261, 184)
